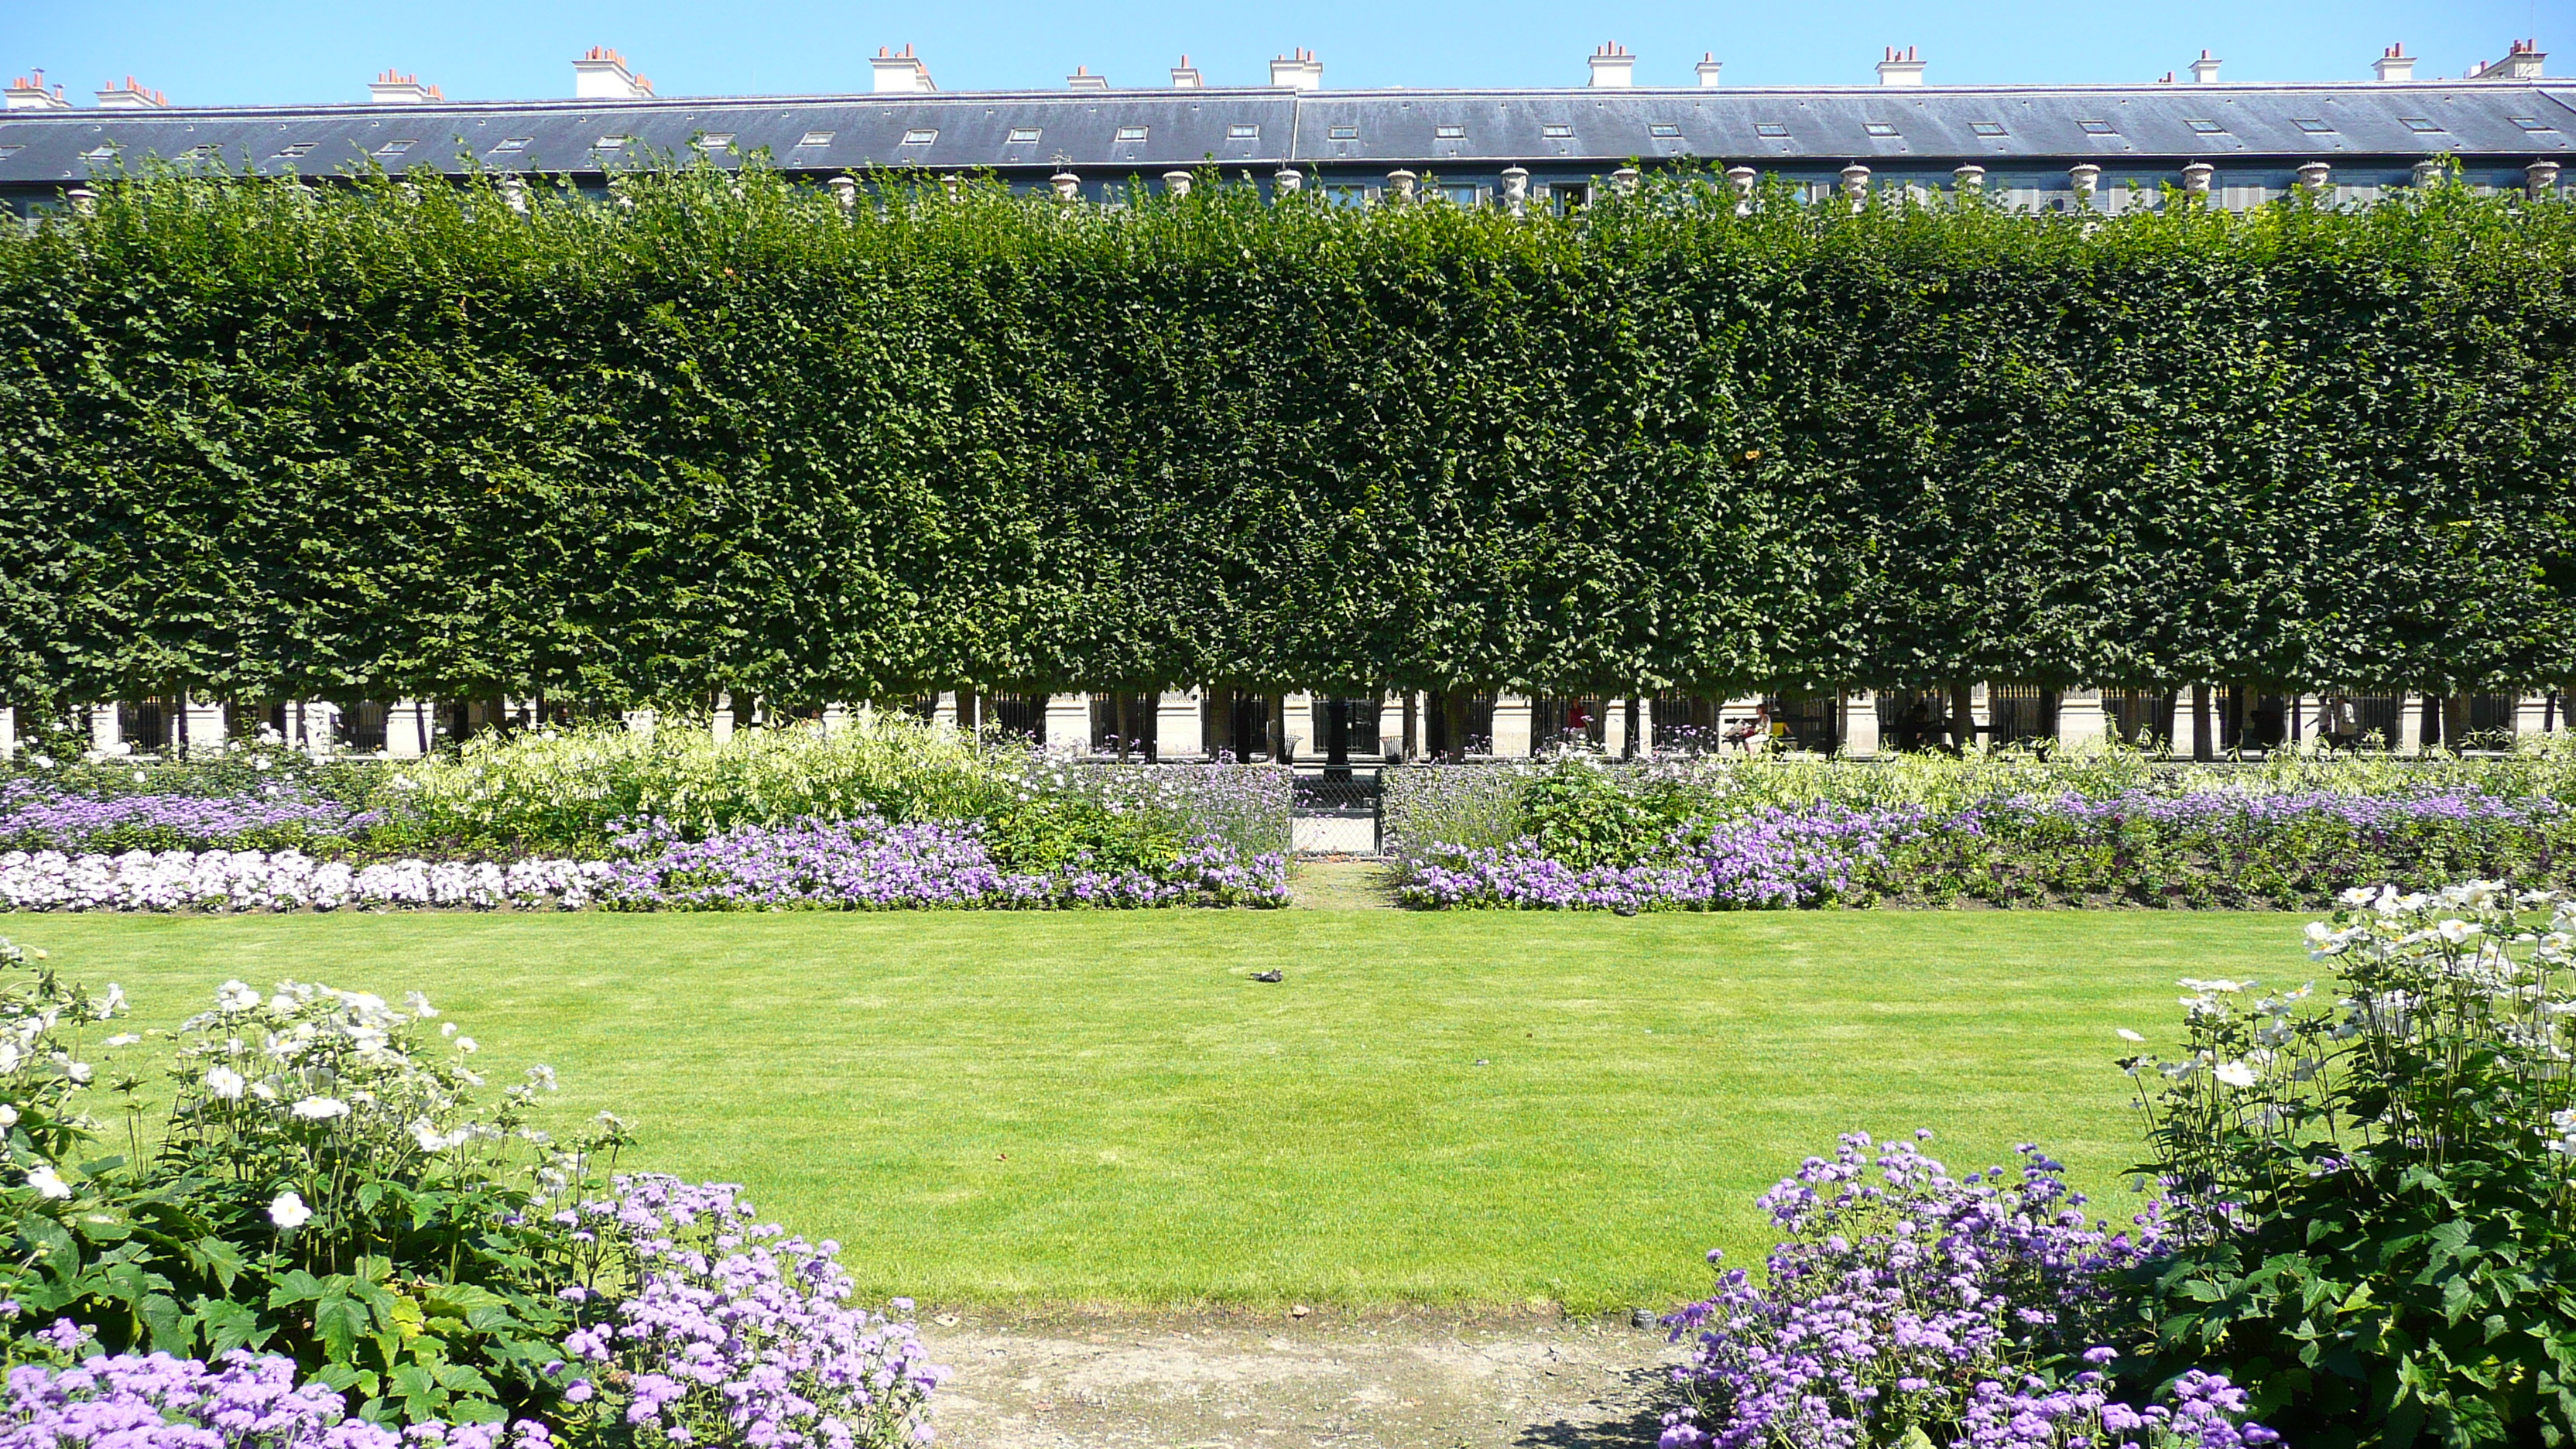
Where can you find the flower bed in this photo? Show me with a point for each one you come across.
(36, 817)
(865, 864)
(2197, 847)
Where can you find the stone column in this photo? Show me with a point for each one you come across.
(1297, 726)
(1614, 727)
(2410, 726)
(205, 725)
(1068, 723)
(8, 732)
(1860, 724)
(102, 730)
(2194, 739)
(943, 708)
(720, 724)
(408, 728)
(2080, 723)
(1512, 726)
(641, 722)
(1179, 727)
(835, 716)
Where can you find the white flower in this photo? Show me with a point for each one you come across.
(466, 1045)
(419, 1005)
(447, 1030)
(121, 1039)
(2130, 1036)
(316, 1109)
(112, 1003)
(80, 1073)
(289, 1212)
(43, 1179)
(8, 1115)
(226, 1083)
(2236, 1074)
(236, 996)
(2457, 931)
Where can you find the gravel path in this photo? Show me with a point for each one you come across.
(1354, 1381)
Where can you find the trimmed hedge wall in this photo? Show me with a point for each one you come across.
(261, 440)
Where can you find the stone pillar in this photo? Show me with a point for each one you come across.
(1512, 726)
(205, 731)
(641, 722)
(835, 716)
(408, 728)
(1614, 727)
(720, 724)
(1179, 726)
(2194, 738)
(102, 730)
(943, 708)
(1297, 726)
(2530, 716)
(2080, 723)
(2410, 726)
(1068, 723)
(8, 732)
(1860, 724)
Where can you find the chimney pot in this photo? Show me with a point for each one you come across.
(1083, 80)
(1298, 71)
(1710, 68)
(28, 93)
(601, 75)
(2394, 64)
(1901, 69)
(900, 73)
(1186, 76)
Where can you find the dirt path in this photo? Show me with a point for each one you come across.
(1219, 1381)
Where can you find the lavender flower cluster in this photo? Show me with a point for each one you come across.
(241, 1402)
(286, 880)
(37, 817)
(874, 864)
(1773, 859)
(1903, 1299)
(863, 864)
(732, 1333)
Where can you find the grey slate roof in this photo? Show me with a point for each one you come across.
(1104, 133)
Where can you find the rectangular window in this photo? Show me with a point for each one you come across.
(815, 138)
(1346, 133)
(2419, 123)
(2312, 125)
(1347, 195)
(8, 151)
(2206, 128)
(609, 143)
(716, 141)
(920, 136)
(2531, 123)
(1878, 128)
(1567, 196)
(1458, 195)
(395, 148)
(1131, 133)
(1988, 128)
(293, 149)
(1557, 131)
(511, 143)
(1241, 132)
(208, 152)
(1448, 133)
(1772, 129)
(1665, 133)
(2099, 128)
(108, 153)
(1023, 136)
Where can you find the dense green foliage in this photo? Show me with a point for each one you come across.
(261, 440)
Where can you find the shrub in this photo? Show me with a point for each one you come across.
(2378, 1188)
(1907, 1304)
(243, 1402)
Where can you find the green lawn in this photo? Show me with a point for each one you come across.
(1432, 1108)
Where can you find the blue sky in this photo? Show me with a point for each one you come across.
(287, 51)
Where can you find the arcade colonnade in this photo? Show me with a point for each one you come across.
(1319, 729)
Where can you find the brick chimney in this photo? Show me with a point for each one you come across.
(392, 89)
(1710, 68)
(2204, 71)
(2394, 64)
(1083, 80)
(902, 75)
(1298, 71)
(601, 75)
(1185, 76)
(130, 97)
(1612, 65)
(28, 93)
(2522, 62)
(1901, 70)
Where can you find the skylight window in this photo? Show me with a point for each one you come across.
(921, 135)
(1557, 131)
(1448, 133)
(394, 148)
(2206, 128)
(8, 151)
(209, 152)
(1242, 131)
(1130, 133)
(1988, 128)
(716, 141)
(2312, 125)
(815, 138)
(610, 143)
(1879, 128)
(2099, 128)
(1346, 133)
(99, 153)
(1772, 129)
(2420, 123)
(510, 144)
(1665, 133)
(2531, 123)
(1023, 136)
(293, 149)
